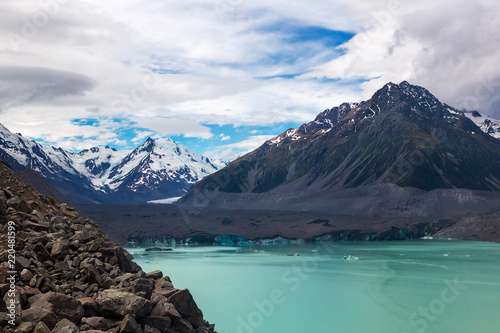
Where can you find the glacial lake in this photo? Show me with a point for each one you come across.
(413, 286)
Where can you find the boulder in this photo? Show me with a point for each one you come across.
(99, 323)
(143, 287)
(183, 326)
(53, 307)
(26, 275)
(129, 325)
(65, 326)
(165, 309)
(22, 262)
(185, 304)
(41, 327)
(60, 248)
(160, 323)
(26, 327)
(164, 283)
(118, 303)
(154, 275)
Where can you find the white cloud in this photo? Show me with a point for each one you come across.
(450, 47)
(224, 137)
(176, 66)
(233, 150)
(174, 126)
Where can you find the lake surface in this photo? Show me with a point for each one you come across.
(413, 286)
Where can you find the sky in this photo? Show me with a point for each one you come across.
(223, 76)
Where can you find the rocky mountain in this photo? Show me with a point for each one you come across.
(485, 123)
(400, 143)
(157, 169)
(71, 277)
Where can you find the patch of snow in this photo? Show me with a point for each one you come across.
(164, 201)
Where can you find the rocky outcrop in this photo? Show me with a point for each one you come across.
(73, 278)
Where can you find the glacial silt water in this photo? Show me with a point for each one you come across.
(415, 286)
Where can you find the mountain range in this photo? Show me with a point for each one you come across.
(157, 169)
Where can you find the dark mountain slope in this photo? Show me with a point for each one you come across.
(402, 135)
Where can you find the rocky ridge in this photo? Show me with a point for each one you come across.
(72, 278)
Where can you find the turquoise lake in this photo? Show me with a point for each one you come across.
(413, 286)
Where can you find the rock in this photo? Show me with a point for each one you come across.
(3, 208)
(24, 207)
(26, 327)
(41, 327)
(184, 303)
(165, 309)
(126, 265)
(89, 305)
(3, 273)
(160, 323)
(28, 292)
(99, 323)
(62, 265)
(52, 308)
(154, 275)
(156, 298)
(26, 275)
(65, 326)
(129, 325)
(149, 329)
(84, 236)
(13, 201)
(60, 248)
(96, 245)
(36, 226)
(22, 262)
(119, 303)
(41, 253)
(182, 326)
(164, 284)
(143, 287)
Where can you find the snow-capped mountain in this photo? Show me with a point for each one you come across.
(485, 123)
(158, 169)
(402, 136)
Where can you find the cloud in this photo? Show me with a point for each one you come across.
(173, 126)
(233, 150)
(174, 68)
(224, 137)
(450, 47)
(32, 85)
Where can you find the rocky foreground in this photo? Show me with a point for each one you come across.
(72, 278)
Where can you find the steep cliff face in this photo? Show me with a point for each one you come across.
(71, 276)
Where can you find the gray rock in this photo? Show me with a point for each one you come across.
(41, 327)
(143, 287)
(165, 309)
(160, 323)
(60, 248)
(119, 303)
(185, 304)
(154, 275)
(26, 275)
(52, 308)
(65, 326)
(129, 325)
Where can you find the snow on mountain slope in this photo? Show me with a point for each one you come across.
(157, 161)
(155, 170)
(485, 123)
